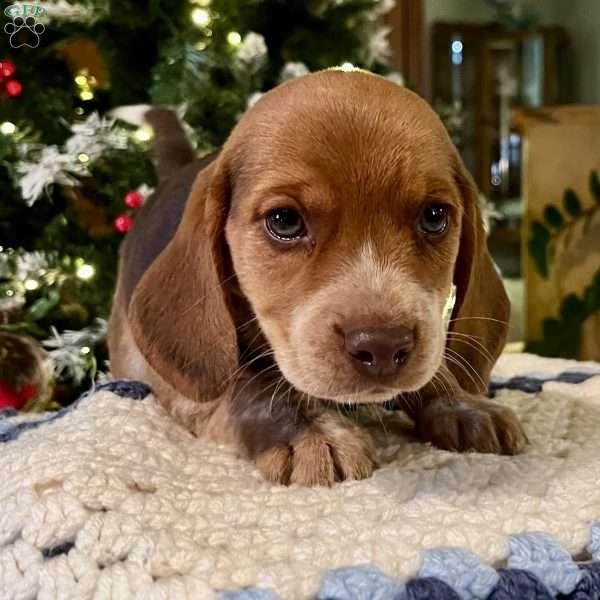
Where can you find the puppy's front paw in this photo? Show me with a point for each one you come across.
(330, 449)
(471, 425)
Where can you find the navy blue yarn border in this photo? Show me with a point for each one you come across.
(532, 385)
(136, 390)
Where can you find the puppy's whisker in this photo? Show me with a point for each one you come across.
(262, 372)
(457, 360)
(467, 363)
(478, 319)
(478, 348)
(279, 384)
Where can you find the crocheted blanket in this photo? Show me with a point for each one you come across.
(111, 499)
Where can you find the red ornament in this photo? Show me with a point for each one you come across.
(9, 397)
(7, 68)
(14, 88)
(133, 199)
(123, 223)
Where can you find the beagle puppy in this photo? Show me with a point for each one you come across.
(307, 266)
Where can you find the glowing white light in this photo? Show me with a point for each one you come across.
(83, 157)
(85, 272)
(143, 134)
(200, 17)
(234, 38)
(8, 128)
(81, 80)
(347, 67)
(85, 350)
(457, 46)
(86, 95)
(31, 284)
(10, 293)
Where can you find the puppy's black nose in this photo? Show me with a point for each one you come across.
(379, 352)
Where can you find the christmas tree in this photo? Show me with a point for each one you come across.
(73, 176)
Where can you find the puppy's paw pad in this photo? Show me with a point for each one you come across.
(479, 426)
(331, 449)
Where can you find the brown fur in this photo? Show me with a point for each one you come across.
(240, 335)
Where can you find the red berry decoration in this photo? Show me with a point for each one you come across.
(123, 223)
(133, 200)
(14, 88)
(7, 68)
(9, 397)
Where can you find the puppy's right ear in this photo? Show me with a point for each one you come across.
(179, 313)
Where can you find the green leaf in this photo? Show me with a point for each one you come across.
(573, 310)
(592, 297)
(551, 328)
(595, 186)
(553, 216)
(540, 231)
(572, 203)
(41, 307)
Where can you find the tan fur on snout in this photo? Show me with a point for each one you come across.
(368, 290)
(242, 335)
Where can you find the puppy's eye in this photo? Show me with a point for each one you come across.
(285, 224)
(434, 219)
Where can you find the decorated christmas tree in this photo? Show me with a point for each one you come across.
(72, 176)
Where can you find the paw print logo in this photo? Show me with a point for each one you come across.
(24, 32)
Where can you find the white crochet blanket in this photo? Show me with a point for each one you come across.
(113, 500)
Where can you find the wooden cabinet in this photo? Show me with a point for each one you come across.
(479, 74)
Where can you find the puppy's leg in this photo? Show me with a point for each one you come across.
(456, 420)
(291, 443)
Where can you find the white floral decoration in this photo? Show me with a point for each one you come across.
(252, 53)
(381, 8)
(378, 46)
(293, 70)
(30, 263)
(70, 12)
(70, 352)
(42, 167)
(47, 167)
(396, 77)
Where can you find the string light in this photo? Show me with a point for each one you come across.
(200, 17)
(31, 284)
(8, 128)
(234, 38)
(85, 272)
(86, 84)
(85, 350)
(83, 157)
(204, 3)
(143, 134)
(10, 293)
(347, 66)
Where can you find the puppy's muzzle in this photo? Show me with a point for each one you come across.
(379, 352)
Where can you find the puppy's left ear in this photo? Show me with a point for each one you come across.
(479, 324)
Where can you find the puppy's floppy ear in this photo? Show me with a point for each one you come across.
(179, 312)
(482, 307)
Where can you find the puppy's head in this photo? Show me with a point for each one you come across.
(344, 214)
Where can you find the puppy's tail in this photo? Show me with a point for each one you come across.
(171, 148)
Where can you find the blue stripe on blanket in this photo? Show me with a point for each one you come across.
(538, 568)
(136, 390)
(532, 384)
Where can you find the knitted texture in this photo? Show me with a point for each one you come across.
(111, 499)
